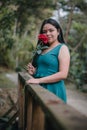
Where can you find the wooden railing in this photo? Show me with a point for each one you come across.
(39, 109)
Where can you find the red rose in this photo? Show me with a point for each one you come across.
(43, 38)
(42, 45)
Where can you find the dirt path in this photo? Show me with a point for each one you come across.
(75, 99)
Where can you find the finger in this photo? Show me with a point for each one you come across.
(25, 68)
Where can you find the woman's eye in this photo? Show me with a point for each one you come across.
(50, 30)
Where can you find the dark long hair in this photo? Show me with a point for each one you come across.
(56, 25)
(60, 36)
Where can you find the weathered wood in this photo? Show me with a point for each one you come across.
(21, 104)
(29, 113)
(58, 114)
(38, 118)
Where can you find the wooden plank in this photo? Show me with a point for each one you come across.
(29, 113)
(20, 104)
(38, 117)
(58, 111)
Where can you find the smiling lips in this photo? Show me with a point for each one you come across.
(49, 38)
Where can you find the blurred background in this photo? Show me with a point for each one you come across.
(20, 21)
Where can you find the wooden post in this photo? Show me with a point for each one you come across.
(38, 118)
(21, 106)
(29, 113)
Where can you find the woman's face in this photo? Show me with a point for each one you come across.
(51, 32)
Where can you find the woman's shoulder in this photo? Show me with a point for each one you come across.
(63, 46)
(64, 50)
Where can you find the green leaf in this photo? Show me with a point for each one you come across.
(39, 52)
(44, 47)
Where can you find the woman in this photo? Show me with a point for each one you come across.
(53, 62)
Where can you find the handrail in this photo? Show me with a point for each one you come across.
(40, 109)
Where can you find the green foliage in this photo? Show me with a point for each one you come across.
(76, 69)
(76, 23)
(18, 21)
(79, 27)
(22, 50)
(6, 43)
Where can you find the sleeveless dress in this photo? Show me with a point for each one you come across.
(48, 64)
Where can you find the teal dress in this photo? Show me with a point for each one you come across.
(48, 64)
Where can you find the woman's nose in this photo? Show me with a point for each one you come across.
(47, 32)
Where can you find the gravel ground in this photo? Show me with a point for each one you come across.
(76, 99)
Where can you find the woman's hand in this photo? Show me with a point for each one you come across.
(33, 81)
(31, 69)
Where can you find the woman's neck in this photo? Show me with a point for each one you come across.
(52, 45)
